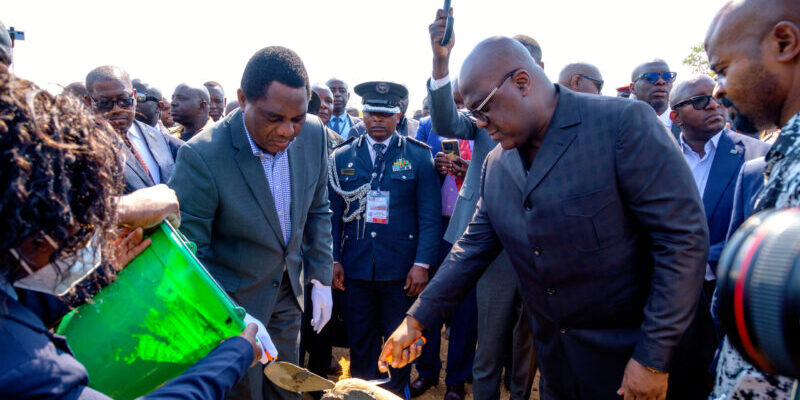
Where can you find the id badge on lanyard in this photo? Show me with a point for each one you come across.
(377, 207)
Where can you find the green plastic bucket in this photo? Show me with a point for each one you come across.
(163, 313)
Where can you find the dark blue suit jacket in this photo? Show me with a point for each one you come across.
(414, 229)
(425, 134)
(35, 363)
(733, 150)
(748, 185)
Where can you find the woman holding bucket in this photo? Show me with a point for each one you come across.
(59, 190)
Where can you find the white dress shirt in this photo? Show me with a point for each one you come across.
(667, 122)
(701, 167)
(138, 141)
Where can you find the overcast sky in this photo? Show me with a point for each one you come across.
(169, 41)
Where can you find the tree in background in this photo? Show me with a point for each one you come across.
(698, 61)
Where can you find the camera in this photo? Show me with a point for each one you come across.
(758, 284)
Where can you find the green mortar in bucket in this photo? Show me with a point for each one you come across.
(163, 313)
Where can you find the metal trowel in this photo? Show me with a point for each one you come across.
(295, 379)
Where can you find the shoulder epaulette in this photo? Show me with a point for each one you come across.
(348, 141)
(417, 142)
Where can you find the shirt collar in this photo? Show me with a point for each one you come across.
(787, 137)
(711, 144)
(134, 131)
(257, 150)
(371, 142)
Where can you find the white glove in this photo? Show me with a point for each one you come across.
(322, 303)
(262, 336)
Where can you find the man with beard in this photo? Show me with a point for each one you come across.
(754, 48)
(386, 222)
(651, 83)
(148, 157)
(190, 109)
(341, 122)
(216, 100)
(602, 222)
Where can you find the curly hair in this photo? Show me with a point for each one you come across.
(59, 174)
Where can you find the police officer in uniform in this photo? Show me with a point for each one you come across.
(386, 221)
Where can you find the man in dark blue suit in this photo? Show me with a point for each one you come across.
(386, 207)
(715, 156)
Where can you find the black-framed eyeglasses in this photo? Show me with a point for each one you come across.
(697, 102)
(598, 83)
(477, 114)
(108, 105)
(653, 77)
(144, 98)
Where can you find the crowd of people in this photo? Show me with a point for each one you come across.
(547, 227)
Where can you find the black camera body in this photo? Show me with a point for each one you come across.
(758, 283)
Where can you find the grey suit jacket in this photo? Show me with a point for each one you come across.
(447, 122)
(228, 211)
(162, 147)
(606, 232)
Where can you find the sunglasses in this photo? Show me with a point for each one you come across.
(108, 105)
(653, 77)
(144, 98)
(477, 114)
(598, 83)
(697, 102)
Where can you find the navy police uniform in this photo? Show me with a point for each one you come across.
(378, 254)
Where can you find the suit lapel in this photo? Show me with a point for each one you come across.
(729, 156)
(153, 144)
(253, 173)
(363, 154)
(133, 164)
(513, 164)
(556, 140)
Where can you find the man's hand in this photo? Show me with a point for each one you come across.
(338, 276)
(398, 348)
(442, 164)
(416, 280)
(460, 167)
(268, 350)
(641, 383)
(441, 54)
(249, 334)
(322, 305)
(129, 244)
(148, 207)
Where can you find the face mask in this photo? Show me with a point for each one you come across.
(73, 270)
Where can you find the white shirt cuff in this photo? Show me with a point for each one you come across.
(422, 265)
(318, 283)
(438, 83)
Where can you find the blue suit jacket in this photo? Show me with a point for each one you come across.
(414, 229)
(733, 150)
(748, 185)
(35, 363)
(425, 134)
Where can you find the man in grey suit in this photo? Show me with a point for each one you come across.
(603, 223)
(148, 156)
(254, 198)
(500, 311)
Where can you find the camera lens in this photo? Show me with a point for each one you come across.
(759, 291)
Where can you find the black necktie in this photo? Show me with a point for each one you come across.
(380, 159)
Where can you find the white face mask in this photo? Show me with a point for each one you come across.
(73, 270)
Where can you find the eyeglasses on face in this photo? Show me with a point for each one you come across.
(598, 83)
(477, 114)
(652, 77)
(108, 105)
(697, 102)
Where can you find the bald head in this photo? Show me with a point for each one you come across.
(231, 106)
(190, 106)
(107, 73)
(532, 46)
(508, 93)
(581, 77)
(686, 89)
(754, 47)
